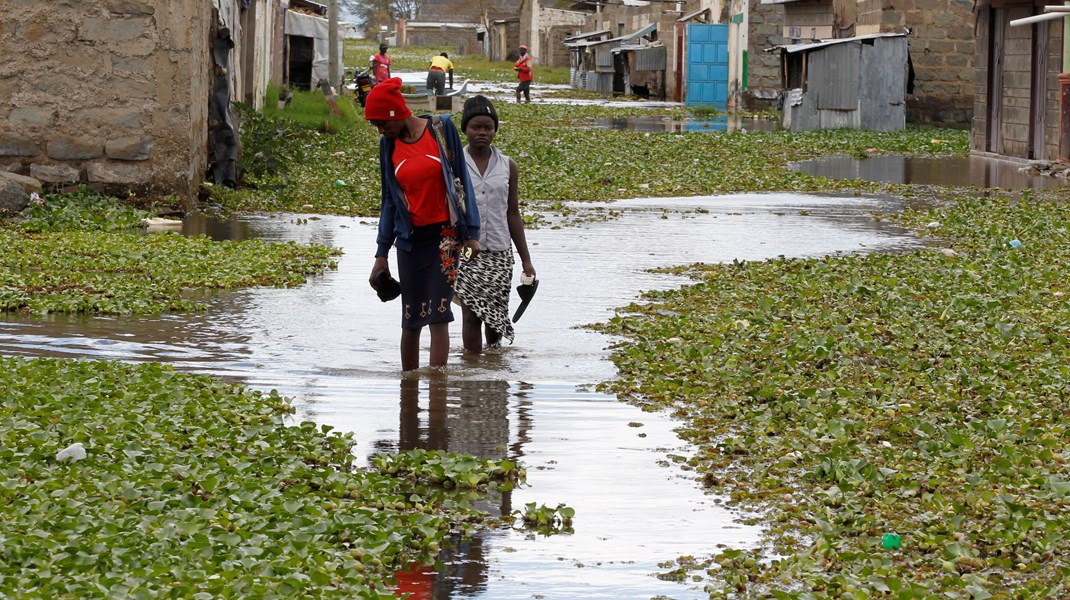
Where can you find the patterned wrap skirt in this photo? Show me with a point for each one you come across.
(483, 285)
(426, 291)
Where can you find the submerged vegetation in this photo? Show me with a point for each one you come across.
(562, 158)
(917, 397)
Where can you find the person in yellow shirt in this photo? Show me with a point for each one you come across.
(436, 73)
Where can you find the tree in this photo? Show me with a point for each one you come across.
(371, 14)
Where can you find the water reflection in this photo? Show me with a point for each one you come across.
(971, 171)
(332, 347)
(470, 417)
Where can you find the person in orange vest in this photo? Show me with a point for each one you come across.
(381, 64)
(524, 74)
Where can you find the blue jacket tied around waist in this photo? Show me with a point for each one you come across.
(395, 225)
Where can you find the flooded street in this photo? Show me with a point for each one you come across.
(333, 347)
(966, 171)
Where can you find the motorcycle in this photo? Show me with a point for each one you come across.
(364, 82)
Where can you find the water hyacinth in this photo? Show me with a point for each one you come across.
(189, 487)
(921, 393)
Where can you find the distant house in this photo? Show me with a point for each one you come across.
(544, 26)
(132, 95)
(500, 38)
(631, 63)
(624, 48)
(1020, 109)
(484, 27)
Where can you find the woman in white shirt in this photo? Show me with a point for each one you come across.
(483, 283)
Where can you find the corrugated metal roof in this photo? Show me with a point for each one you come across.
(802, 47)
(690, 16)
(433, 25)
(617, 40)
(631, 36)
(589, 34)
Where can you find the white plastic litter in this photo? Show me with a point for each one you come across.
(73, 452)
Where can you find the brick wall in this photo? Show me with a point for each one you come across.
(108, 92)
(942, 47)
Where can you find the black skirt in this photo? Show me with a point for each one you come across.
(426, 291)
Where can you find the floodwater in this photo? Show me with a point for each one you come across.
(727, 123)
(332, 347)
(971, 171)
(543, 93)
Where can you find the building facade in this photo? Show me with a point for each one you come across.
(115, 93)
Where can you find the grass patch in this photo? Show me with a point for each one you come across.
(310, 110)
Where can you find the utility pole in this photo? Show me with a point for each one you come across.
(332, 41)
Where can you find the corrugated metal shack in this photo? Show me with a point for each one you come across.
(581, 59)
(603, 65)
(855, 83)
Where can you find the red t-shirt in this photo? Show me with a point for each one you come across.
(524, 64)
(382, 67)
(418, 168)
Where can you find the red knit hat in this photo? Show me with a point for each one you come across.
(385, 102)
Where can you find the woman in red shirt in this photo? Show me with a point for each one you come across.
(381, 64)
(415, 217)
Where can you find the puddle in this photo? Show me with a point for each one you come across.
(530, 401)
(728, 123)
(971, 171)
(543, 93)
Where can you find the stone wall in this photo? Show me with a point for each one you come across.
(763, 68)
(113, 93)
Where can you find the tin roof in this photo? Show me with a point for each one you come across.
(792, 48)
(622, 39)
(583, 36)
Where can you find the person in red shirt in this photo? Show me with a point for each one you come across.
(524, 74)
(381, 64)
(415, 217)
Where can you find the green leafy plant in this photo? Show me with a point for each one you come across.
(133, 273)
(83, 210)
(546, 520)
(194, 488)
(270, 146)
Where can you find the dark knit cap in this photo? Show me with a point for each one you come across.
(476, 106)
